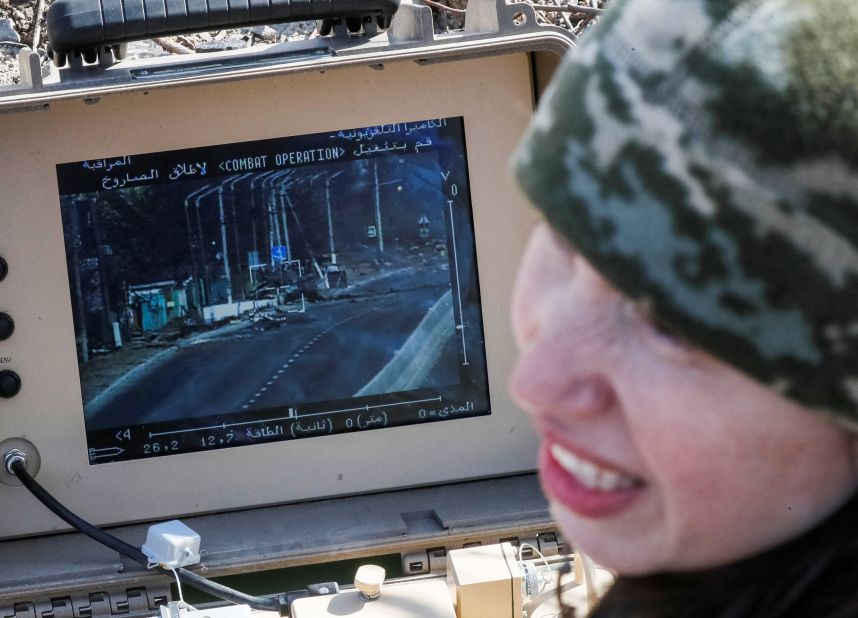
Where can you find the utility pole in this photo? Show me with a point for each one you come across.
(328, 180)
(288, 244)
(190, 241)
(235, 236)
(273, 225)
(223, 244)
(378, 230)
(199, 291)
(78, 292)
(265, 231)
(206, 289)
(378, 186)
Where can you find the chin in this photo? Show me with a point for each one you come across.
(633, 554)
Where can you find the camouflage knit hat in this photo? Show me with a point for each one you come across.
(703, 155)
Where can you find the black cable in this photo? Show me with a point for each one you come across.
(19, 469)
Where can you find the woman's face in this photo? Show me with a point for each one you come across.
(655, 456)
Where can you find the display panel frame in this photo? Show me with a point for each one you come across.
(230, 295)
(493, 95)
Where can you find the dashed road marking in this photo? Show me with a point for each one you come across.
(307, 346)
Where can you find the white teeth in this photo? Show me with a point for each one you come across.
(609, 480)
(589, 474)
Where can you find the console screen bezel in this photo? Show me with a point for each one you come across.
(493, 94)
(391, 332)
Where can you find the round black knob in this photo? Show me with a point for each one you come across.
(4, 269)
(10, 383)
(7, 326)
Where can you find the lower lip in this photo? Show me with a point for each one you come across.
(568, 491)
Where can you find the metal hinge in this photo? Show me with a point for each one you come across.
(434, 559)
(128, 603)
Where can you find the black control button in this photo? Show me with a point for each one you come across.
(10, 383)
(4, 269)
(7, 326)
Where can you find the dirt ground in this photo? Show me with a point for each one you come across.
(21, 14)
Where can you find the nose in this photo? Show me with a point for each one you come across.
(565, 316)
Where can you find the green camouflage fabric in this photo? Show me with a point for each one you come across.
(703, 155)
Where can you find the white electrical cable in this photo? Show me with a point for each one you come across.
(181, 596)
(534, 582)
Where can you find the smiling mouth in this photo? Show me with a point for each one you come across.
(584, 487)
(590, 475)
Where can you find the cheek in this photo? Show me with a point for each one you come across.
(734, 461)
(687, 465)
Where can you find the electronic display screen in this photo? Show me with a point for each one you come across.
(274, 290)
